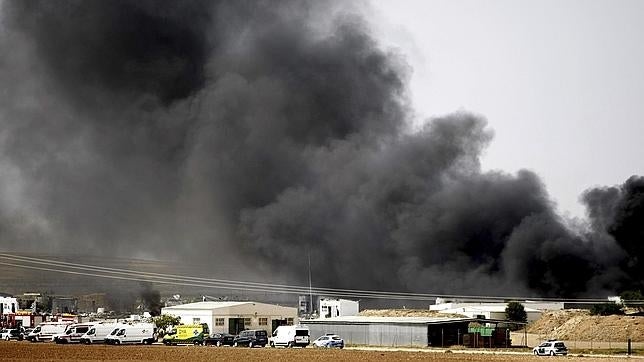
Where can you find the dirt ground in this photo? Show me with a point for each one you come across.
(26, 351)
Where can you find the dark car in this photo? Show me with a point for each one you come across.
(219, 339)
(251, 338)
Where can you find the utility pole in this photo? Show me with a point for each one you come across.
(310, 287)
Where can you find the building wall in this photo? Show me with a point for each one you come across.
(330, 308)
(253, 314)
(375, 334)
(9, 305)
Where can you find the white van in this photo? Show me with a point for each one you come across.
(73, 333)
(140, 333)
(45, 331)
(99, 332)
(290, 336)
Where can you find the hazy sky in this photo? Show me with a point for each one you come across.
(560, 82)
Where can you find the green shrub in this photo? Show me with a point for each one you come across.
(611, 308)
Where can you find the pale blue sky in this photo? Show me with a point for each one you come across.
(560, 82)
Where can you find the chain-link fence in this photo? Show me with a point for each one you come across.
(520, 338)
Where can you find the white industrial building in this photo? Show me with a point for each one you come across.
(8, 309)
(494, 311)
(233, 317)
(330, 308)
(8, 304)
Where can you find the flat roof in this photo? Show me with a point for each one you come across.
(206, 305)
(386, 320)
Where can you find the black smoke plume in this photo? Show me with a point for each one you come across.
(248, 135)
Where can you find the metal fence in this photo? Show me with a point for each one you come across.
(519, 339)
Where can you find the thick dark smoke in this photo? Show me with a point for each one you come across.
(251, 134)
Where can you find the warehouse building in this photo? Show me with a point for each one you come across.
(233, 317)
(413, 331)
(482, 310)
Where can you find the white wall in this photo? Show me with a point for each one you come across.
(330, 308)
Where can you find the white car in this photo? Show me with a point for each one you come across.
(15, 333)
(550, 348)
(329, 341)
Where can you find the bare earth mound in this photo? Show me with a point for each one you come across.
(575, 324)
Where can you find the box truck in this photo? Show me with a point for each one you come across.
(187, 334)
(45, 331)
(139, 333)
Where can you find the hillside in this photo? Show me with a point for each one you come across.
(575, 324)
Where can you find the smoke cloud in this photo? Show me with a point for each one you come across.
(252, 134)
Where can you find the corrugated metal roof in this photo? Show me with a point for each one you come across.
(385, 320)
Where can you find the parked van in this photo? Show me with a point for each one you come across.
(291, 336)
(45, 331)
(251, 338)
(99, 332)
(187, 333)
(73, 333)
(140, 333)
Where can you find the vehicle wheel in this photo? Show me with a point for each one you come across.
(36, 339)
(272, 344)
(290, 345)
(118, 342)
(6, 338)
(218, 343)
(235, 344)
(535, 353)
(552, 353)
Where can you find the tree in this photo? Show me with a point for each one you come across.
(606, 309)
(165, 320)
(632, 298)
(515, 312)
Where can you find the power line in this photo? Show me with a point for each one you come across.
(192, 281)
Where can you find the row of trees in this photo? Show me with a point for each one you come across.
(629, 299)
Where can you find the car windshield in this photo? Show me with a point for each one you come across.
(260, 333)
(544, 344)
(121, 332)
(323, 338)
(336, 338)
(559, 344)
(36, 330)
(114, 331)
